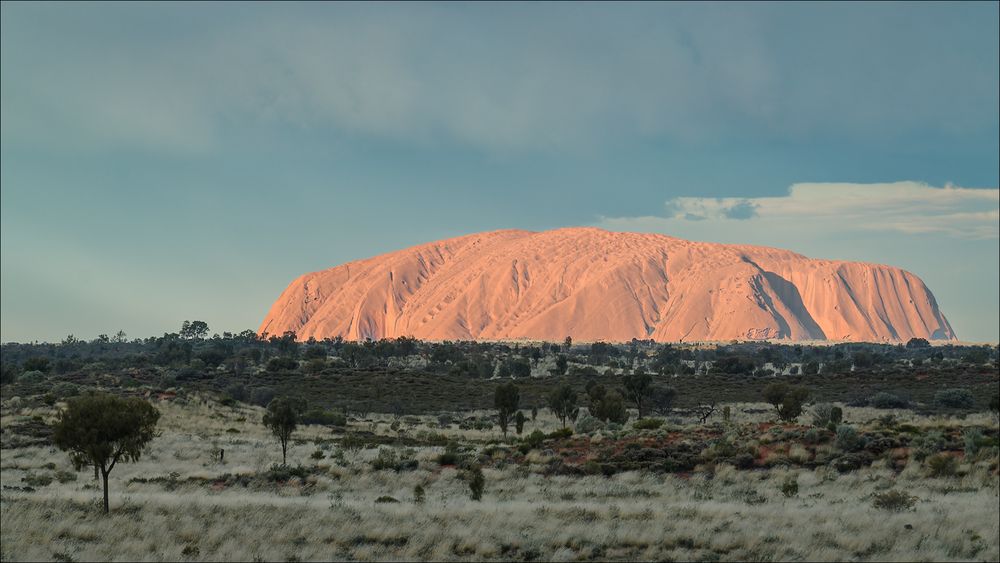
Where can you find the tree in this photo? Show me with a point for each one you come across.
(505, 400)
(100, 430)
(917, 343)
(787, 400)
(561, 364)
(608, 406)
(519, 420)
(638, 387)
(194, 330)
(568, 343)
(281, 418)
(562, 402)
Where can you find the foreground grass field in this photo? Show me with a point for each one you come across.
(349, 493)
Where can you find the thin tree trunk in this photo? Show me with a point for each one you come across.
(106, 508)
(284, 449)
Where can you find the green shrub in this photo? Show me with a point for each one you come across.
(477, 482)
(385, 499)
(894, 501)
(955, 398)
(64, 476)
(926, 445)
(588, 424)
(790, 486)
(318, 454)
(848, 439)
(534, 440)
(648, 423)
(885, 400)
(559, 434)
(418, 494)
(825, 413)
(389, 459)
(33, 480)
(325, 418)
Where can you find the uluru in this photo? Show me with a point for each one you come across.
(596, 285)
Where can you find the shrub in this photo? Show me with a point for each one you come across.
(926, 445)
(848, 439)
(326, 418)
(648, 423)
(787, 400)
(385, 499)
(894, 501)
(31, 377)
(535, 439)
(418, 494)
(941, 465)
(318, 454)
(790, 486)
(33, 480)
(477, 482)
(974, 441)
(588, 424)
(955, 398)
(883, 400)
(825, 413)
(65, 476)
(389, 459)
(559, 434)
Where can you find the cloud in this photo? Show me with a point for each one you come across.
(491, 77)
(905, 207)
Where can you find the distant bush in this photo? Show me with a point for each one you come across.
(31, 377)
(825, 413)
(955, 398)
(477, 482)
(326, 418)
(33, 480)
(926, 445)
(587, 424)
(389, 459)
(262, 396)
(282, 364)
(648, 423)
(894, 501)
(941, 465)
(848, 439)
(790, 486)
(418, 494)
(535, 439)
(385, 499)
(283, 473)
(559, 434)
(883, 400)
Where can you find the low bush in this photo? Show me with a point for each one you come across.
(647, 423)
(941, 465)
(894, 501)
(885, 400)
(955, 398)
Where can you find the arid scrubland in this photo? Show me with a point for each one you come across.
(180, 502)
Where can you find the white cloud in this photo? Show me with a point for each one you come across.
(905, 207)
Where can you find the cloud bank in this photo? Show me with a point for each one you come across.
(495, 77)
(905, 207)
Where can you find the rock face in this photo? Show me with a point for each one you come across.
(594, 285)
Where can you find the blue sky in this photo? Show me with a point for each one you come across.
(170, 162)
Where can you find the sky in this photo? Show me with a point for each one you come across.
(163, 162)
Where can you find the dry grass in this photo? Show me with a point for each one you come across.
(733, 515)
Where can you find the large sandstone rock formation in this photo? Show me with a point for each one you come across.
(594, 285)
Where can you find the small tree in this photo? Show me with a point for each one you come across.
(562, 364)
(787, 400)
(505, 400)
(477, 482)
(562, 402)
(607, 406)
(281, 418)
(519, 420)
(100, 430)
(638, 387)
(534, 413)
